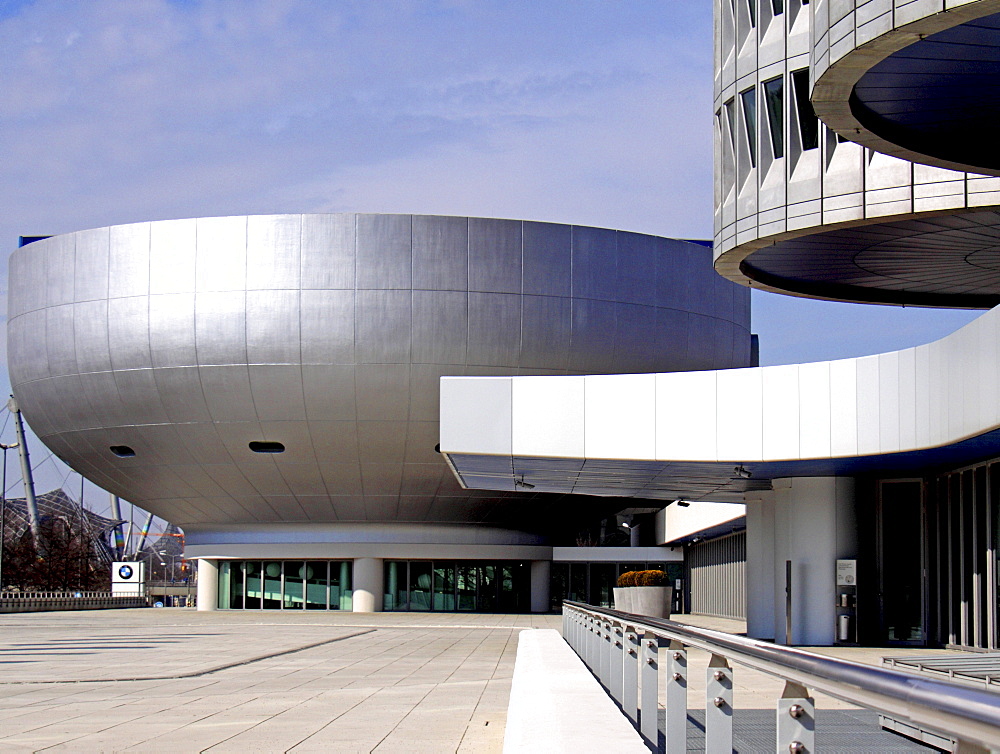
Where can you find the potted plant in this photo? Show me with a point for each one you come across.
(644, 593)
(623, 592)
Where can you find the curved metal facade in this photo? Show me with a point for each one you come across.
(803, 209)
(187, 340)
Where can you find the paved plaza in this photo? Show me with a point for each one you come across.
(182, 681)
(178, 680)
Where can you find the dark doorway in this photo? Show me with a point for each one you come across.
(901, 563)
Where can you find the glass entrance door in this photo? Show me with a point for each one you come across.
(901, 562)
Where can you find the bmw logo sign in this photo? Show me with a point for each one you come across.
(125, 572)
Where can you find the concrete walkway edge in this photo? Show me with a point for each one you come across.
(557, 705)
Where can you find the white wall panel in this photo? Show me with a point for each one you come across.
(740, 417)
(620, 416)
(954, 385)
(548, 416)
(814, 410)
(780, 412)
(922, 403)
(906, 403)
(970, 375)
(843, 408)
(888, 400)
(686, 415)
(868, 405)
(937, 394)
(989, 368)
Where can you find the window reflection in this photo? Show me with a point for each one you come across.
(748, 99)
(444, 586)
(294, 593)
(420, 586)
(448, 586)
(272, 585)
(285, 585)
(774, 101)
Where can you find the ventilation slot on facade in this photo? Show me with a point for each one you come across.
(267, 447)
(122, 451)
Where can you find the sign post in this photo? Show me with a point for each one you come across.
(128, 579)
(847, 601)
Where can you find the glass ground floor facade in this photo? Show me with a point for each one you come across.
(419, 585)
(593, 583)
(929, 570)
(285, 585)
(929, 560)
(457, 586)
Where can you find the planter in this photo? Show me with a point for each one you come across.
(653, 601)
(623, 598)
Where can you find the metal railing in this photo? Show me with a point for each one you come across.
(62, 594)
(26, 602)
(627, 652)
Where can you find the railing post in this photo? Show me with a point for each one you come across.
(675, 724)
(617, 655)
(649, 702)
(590, 639)
(719, 707)
(607, 648)
(595, 649)
(796, 720)
(630, 700)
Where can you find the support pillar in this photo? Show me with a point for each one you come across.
(814, 526)
(541, 579)
(208, 584)
(368, 585)
(760, 589)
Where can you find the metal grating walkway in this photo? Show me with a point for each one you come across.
(979, 668)
(853, 731)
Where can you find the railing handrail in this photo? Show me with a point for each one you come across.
(946, 706)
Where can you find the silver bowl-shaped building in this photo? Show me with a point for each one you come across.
(270, 383)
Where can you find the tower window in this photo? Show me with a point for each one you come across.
(748, 97)
(731, 122)
(808, 123)
(773, 101)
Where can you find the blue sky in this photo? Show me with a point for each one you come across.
(579, 112)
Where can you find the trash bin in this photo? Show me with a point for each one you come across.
(843, 628)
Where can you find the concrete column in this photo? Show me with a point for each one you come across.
(368, 585)
(814, 525)
(760, 586)
(541, 580)
(208, 584)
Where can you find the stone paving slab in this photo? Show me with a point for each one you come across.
(292, 682)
